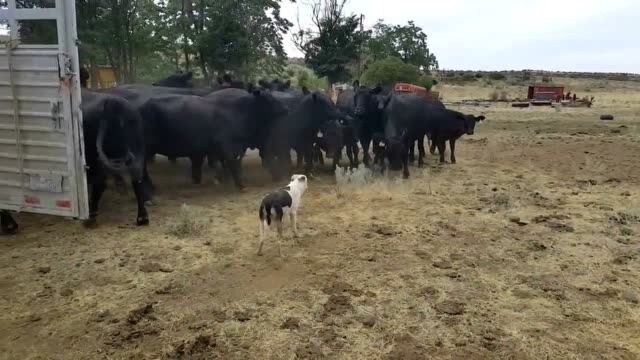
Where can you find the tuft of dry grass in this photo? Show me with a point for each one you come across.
(190, 222)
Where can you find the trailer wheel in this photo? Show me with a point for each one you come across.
(8, 226)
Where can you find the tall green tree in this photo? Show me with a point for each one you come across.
(120, 30)
(406, 42)
(334, 42)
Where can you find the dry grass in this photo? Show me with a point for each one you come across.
(434, 266)
(189, 222)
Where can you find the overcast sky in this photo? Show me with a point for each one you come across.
(571, 35)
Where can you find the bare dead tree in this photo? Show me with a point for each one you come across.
(325, 16)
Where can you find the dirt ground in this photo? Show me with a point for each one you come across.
(528, 248)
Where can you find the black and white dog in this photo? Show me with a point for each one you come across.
(276, 205)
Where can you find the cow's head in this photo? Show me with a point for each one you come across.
(321, 109)
(179, 80)
(120, 143)
(470, 123)
(332, 134)
(267, 105)
(365, 100)
(396, 150)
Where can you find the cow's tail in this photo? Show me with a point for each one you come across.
(119, 164)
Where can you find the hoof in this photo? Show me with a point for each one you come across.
(142, 221)
(405, 176)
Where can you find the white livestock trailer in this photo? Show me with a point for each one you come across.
(42, 168)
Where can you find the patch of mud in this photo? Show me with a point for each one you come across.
(291, 323)
(450, 307)
(337, 305)
(340, 287)
(406, 347)
(201, 347)
(136, 315)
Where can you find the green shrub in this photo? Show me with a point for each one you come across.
(389, 71)
(426, 81)
(497, 76)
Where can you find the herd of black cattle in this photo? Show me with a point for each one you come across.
(126, 126)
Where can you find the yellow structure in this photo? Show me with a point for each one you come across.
(105, 78)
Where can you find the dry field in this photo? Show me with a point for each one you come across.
(528, 248)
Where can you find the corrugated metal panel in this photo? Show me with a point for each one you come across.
(41, 161)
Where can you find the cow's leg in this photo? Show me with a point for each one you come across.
(119, 184)
(235, 167)
(452, 146)
(98, 185)
(320, 155)
(196, 168)
(365, 142)
(442, 146)
(356, 150)
(308, 161)
(8, 226)
(350, 156)
(432, 146)
(148, 186)
(138, 189)
(299, 159)
(337, 157)
(405, 166)
(412, 152)
(421, 152)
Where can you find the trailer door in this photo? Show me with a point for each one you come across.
(42, 166)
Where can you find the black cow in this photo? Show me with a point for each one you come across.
(114, 142)
(330, 139)
(434, 104)
(275, 85)
(410, 117)
(298, 130)
(138, 94)
(222, 125)
(449, 125)
(179, 80)
(406, 117)
(227, 82)
(364, 105)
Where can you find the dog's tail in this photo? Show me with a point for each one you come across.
(265, 213)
